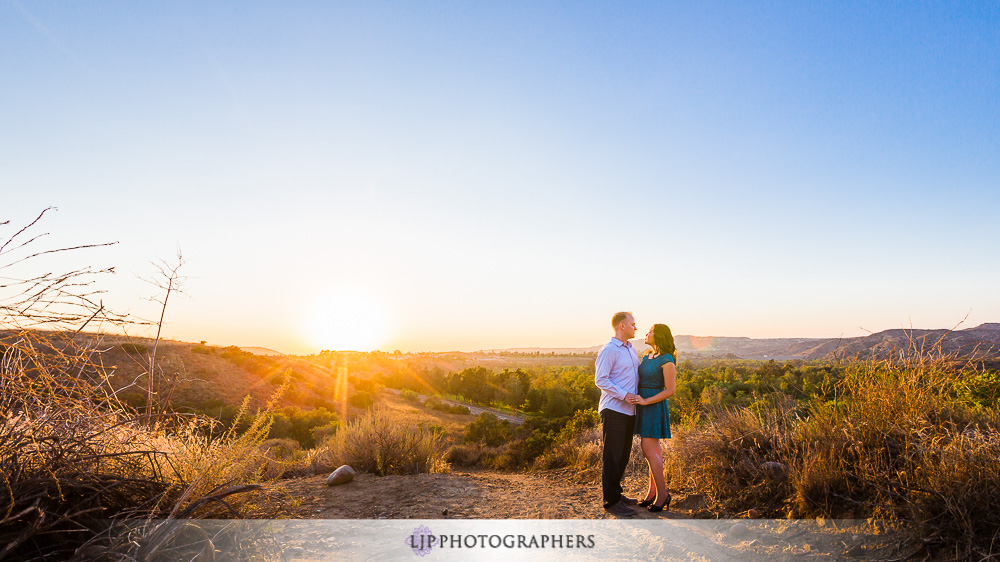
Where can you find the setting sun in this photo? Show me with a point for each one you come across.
(347, 319)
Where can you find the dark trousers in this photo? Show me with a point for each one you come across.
(617, 429)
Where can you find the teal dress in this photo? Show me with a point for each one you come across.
(652, 420)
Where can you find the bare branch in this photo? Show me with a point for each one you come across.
(31, 224)
(169, 281)
(24, 244)
(35, 255)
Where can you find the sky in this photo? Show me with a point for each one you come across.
(431, 176)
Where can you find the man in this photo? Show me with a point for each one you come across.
(617, 376)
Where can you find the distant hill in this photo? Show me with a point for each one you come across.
(262, 351)
(548, 350)
(208, 379)
(981, 342)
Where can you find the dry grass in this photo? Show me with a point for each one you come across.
(431, 431)
(407, 413)
(582, 452)
(465, 454)
(898, 444)
(726, 460)
(71, 456)
(377, 442)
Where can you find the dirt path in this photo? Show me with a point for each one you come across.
(464, 495)
(482, 494)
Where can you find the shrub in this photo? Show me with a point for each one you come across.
(301, 425)
(133, 399)
(210, 406)
(519, 453)
(59, 458)
(361, 399)
(488, 429)
(432, 427)
(409, 395)
(376, 443)
(913, 442)
(464, 455)
(134, 348)
(582, 420)
(436, 403)
(75, 457)
(280, 448)
(322, 433)
(458, 409)
(725, 459)
(366, 385)
(582, 451)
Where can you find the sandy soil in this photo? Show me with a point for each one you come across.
(477, 494)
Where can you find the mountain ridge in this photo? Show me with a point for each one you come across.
(980, 342)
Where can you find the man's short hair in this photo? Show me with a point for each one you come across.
(618, 318)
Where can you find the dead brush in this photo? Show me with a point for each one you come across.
(75, 461)
(954, 504)
(823, 480)
(727, 459)
(582, 452)
(464, 454)
(374, 442)
(64, 457)
(901, 441)
(72, 458)
(920, 453)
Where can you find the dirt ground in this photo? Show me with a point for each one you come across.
(483, 494)
(478, 494)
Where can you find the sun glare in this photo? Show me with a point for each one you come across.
(347, 319)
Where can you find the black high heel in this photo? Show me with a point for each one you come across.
(647, 503)
(666, 505)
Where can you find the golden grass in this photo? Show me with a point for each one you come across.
(898, 444)
(377, 442)
(582, 452)
(70, 455)
(410, 414)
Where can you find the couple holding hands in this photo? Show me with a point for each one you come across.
(633, 402)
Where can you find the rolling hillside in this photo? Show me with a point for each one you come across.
(981, 342)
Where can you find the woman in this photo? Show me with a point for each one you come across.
(657, 377)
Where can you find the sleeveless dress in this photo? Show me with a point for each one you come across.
(652, 420)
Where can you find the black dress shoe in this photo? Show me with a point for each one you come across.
(666, 505)
(629, 501)
(620, 509)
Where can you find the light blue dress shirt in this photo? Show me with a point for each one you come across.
(617, 374)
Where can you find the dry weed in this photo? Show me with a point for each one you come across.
(899, 442)
(581, 452)
(375, 442)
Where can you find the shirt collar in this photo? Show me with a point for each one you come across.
(620, 343)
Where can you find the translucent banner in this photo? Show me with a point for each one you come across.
(506, 540)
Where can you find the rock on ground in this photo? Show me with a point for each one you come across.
(342, 475)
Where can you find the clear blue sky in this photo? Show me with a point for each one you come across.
(496, 176)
